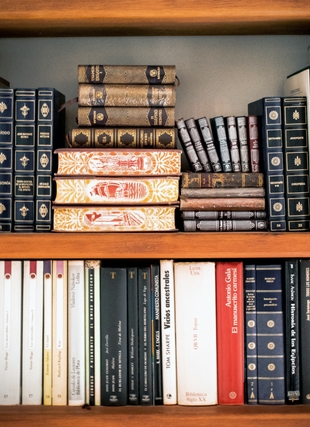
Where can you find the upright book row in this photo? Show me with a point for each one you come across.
(31, 127)
(165, 332)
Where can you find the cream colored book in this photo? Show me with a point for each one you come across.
(60, 323)
(196, 333)
(47, 332)
(76, 333)
(32, 332)
(10, 331)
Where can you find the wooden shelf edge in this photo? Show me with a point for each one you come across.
(174, 245)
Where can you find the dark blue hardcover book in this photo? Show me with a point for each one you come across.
(113, 327)
(24, 159)
(270, 334)
(251, 387)
(50, 136)
(145, 336)
(133, 336)
(6, 158)
(292, 356)
(304, 304)
(296, 162)
(270, 126)
(156, 338)
(221, 142)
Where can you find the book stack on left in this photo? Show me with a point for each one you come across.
(132, 184)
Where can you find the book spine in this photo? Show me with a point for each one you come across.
(242, 130)
(117, 191)
(133, 336)
(296, 164)
(188, 146)
(198, 146)
(220, 180)
(10, 331)
(95, 271)
(50, 135)
(145, 336)
(233, 142)
(112, 95)
(113, 324)
(224, 225)
(168, 343)
(268, 111)
(207, 138)
(24, 161)
(76, 334)
(6, 158)
(126, 116)
(127, 74)
(47, 332)
(230, 332)
(196, 341)
(163, 138)
(32, 331)
(60, 333)
(156, 335)
(236, 215)
(304, 303)
(292, 328)
(270, 334)
(221, 143)
(222, 203)
(251, 383)
(223, 192)
(254, 146)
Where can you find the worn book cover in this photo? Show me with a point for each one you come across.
(127, 74)
(242, 132)
(109, 162)
(233, 143)
(223, 192)
(112, 95)
(208, 142)
(222, 203)
(254, 143)
(221, 180)
(221, 142)
(198, 144)
(224, 225)
(188, 146)
(116, 191)
(114, 218)
(234, 215)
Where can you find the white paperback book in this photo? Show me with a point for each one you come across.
(32, 333)
(76, 333)
(195, 307)
(169, 373)
(10, 331)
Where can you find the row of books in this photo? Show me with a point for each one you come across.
(31, 126)
(155, 332)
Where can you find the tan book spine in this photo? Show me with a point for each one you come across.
(222, 203)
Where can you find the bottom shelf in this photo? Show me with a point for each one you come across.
(154, 416)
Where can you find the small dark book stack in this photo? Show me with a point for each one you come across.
(224, 190)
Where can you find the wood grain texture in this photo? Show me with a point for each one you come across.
(172, 245)
(193, 17)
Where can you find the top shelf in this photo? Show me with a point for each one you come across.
(53, 18)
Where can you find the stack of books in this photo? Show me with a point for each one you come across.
(223, 201)
(125, 179)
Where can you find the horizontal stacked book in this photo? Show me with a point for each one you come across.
(126, 178)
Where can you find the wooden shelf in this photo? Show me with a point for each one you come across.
(179, 245)
(137, 416)
(37, 18)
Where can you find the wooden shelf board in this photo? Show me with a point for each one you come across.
(34, 18)
(178, 245)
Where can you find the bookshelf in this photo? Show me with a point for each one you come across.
(60, 19)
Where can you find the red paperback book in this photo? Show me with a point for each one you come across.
(230, 332)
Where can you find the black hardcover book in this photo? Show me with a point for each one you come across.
(296, 163)
(242, 130)
(6, 158)
(251, 387)
(133, 336)
(188, 146)
(224, 225)
(304, 304)
(269, 114)
(24, 163)
(207, 138)
(221, 142)
(156, 339)
(113, 326)
(233, 142)
(236, 215)
(50, 135)
(292, 364)
(270, 334)
(145, 336)
(198, 144)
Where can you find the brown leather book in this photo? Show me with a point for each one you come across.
(222, 203)
(221, 180)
